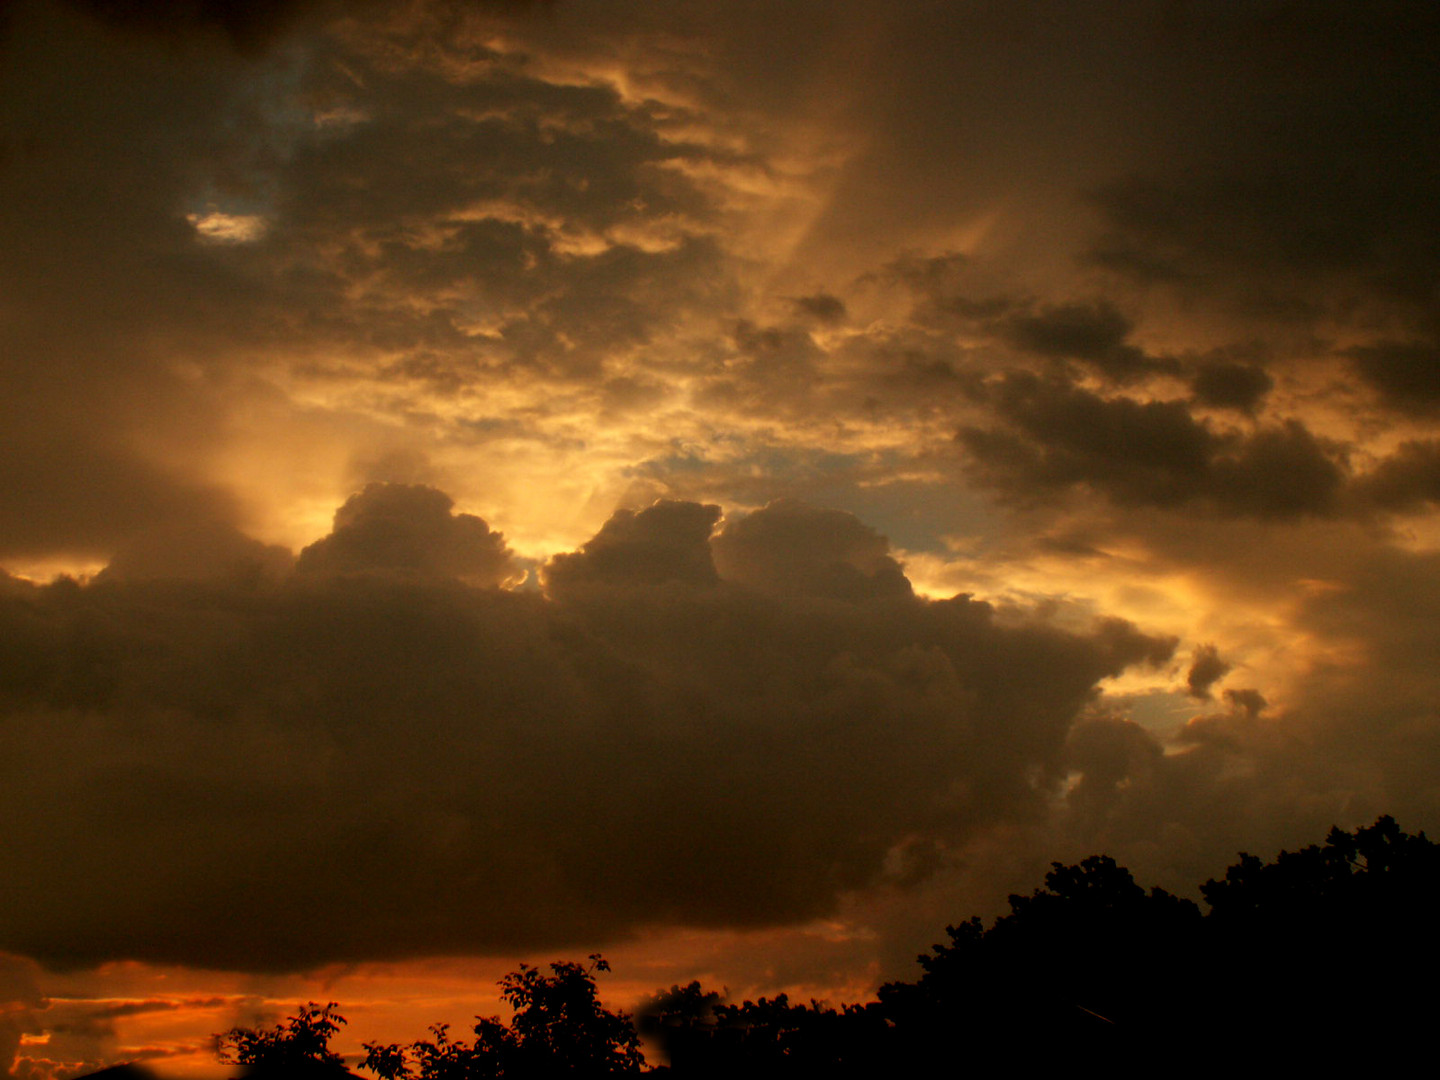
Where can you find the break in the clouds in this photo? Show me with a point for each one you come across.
(592, 466)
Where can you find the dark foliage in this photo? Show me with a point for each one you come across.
(703, 1037)
(1320, 960)
(298, 1047)
(559, 1029)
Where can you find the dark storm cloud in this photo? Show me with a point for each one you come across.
(410, 529)
(792, 548)
(246, 24)
(249, 26)
(1152, 453)
(276, 775)
(1206, 669)
(1227, 385)
(195, 551)
(1303, 184)
(1094, 333)
(1405, 374)
(822, 307)
(1407, 480)
(667, 542)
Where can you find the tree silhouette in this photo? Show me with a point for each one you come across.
(301, 1045)
(1319, 960)
(1342, 933)
(1075, 966)
(559, 1029)
(705, 1038)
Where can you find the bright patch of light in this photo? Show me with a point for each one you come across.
(217, 227)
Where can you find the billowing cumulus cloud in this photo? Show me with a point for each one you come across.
(789, 547)
(332, 767)
(409, 529)
(669, 541)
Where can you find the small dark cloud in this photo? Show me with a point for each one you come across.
(1249, 701)
(822, 307)
(1078, 331)
(1139, 452)
(1405, 481)
(248, 26)
(931, 275)
(1225, 385)
(1278, 472)
(1107, 755)
(1206, 669)
(1093, 333)
(409, 529)
(625, 395)
(112, 1010)
(1147, 453)
(1406, 374)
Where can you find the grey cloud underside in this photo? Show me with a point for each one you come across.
(1156, 453)
(372, 761)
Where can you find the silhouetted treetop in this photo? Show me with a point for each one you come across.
(299, 1046)
(559, 1029)
(1318, 960)
(1376, 866)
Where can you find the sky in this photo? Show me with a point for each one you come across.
(735, 487)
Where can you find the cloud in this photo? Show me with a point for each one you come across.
(339, 767)
(1147, 453)
(248, 25)
(195, 551)
(1094, 333)
(1406, 480)
(1225, 385)
(1405, 374)
(791, 548)
(410, 529)
(1206, 669)
(1265, 206)
(822, 307)
(666, 542)
(20, 1000)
